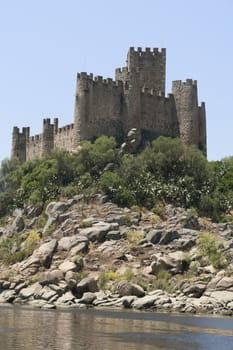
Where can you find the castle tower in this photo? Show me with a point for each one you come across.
(185, 94)
(202, 129)
(150, 66)
(47, 144)
(81, 110)
(19, 143)
(145, 71)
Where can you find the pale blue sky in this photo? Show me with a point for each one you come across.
(44, 43)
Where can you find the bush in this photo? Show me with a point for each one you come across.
(162, 281)
(134, 236)
(106, 277)
(207, 251)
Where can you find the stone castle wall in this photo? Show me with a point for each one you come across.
(136, 99)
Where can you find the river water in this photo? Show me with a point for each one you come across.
(23, 328)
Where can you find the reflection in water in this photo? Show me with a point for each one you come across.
(27, 329)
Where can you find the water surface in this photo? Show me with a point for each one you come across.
(26, 329)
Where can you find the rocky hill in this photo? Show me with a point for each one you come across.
(92, 253)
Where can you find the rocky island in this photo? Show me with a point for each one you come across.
(93, 253)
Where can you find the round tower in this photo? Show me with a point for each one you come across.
(19, 143)
(81, 110)
(185, 94)
(47, 144)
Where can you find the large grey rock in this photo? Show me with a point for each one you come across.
(163, 263)
(128, 300)
(169, 236)
(47, 293)
(54, 209)
(145, 302)
(213, 283)
(33, 211)
(191, 223)
(66, 298)
(88, 284)
(195, 290)
(68, 266)
(7, 296)
(80, 248)
(113, 235)
(40, 257)
(50, 277)
(223, 297)
(16, 226)
(30, 291)
(97, 232)
(46, 251)
(127, 288)
(67, 243)
(225, 283)
(154, 236)
(87, 298)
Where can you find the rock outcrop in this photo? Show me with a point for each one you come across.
(100, 255)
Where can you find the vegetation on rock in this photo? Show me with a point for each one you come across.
(166, 171)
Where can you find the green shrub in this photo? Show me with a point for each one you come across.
(106, 277)
(134, 236)
(162, 281)
(85, 224)
(32, 241)
(207, 251)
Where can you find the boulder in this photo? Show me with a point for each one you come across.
(191, 223)
(54, 209)
(169, 236)
(224, 297)
(97, 232)
(154, 236)
(50, 277)
(87, 298)
(40, 257)
(30, 291)
(46, 251)
(127, 288)
(128, 300)
(7, 296)
(225, 283)
(67, 243)
(145, 302)
(48, 293)
(113, 235)
(88, 284)
(66, 298)
(16, 226)
(33, 211)
(163, 263)
(195, 290)
(68, 266)
(80, 248)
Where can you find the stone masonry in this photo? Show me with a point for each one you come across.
(135, 99)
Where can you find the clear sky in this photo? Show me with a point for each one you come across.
(44, 43)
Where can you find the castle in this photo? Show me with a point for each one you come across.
(135, 99)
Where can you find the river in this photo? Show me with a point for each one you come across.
(23, 328)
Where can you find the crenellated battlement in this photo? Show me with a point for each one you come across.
(126, 70)
(66, 128)
(187, 82)
(148, 51)
(37, 137)
(136, 98)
